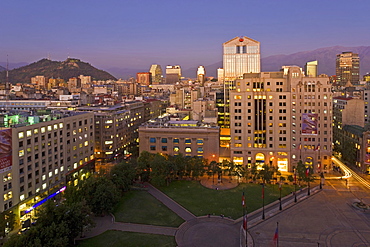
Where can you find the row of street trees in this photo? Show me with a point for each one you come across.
(61, 220)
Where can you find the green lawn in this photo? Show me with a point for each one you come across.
(114, 238)
(141, 207)
(202, 201)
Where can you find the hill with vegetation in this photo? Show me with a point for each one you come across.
(55, 69)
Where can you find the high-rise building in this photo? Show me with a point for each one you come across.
(220, 74)
(280, 118)
(241, 55)
(173, 74)
(144, 78)
(156, 72)
(201, 74)
(311, 69)
(347, 68)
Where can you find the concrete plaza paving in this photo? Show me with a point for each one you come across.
(325, 218)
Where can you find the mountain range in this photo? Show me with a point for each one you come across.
(325, 56)
(58, 69)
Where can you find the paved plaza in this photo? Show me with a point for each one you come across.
(325, 218)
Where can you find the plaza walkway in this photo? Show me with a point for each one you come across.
(201, 231)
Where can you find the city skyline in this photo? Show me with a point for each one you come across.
(138, 34)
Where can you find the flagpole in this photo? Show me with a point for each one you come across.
(245, 223)
(263, 201)
(295, 185)
(280, 208)
(277, 239)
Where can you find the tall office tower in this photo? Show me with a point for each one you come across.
(348, 68)
(156, 71)
(281, 118)
(240, 55)
(173, 74)
(311, 68)
(144, 78)
(201, 74)
(220, 74)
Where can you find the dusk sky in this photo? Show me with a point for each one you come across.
(138, 33)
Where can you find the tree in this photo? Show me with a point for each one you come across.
(254, 171)
(123, 175)
(266, 173)
(302, 172)
(7, 221)
(160, 171)
(57, 225)
(144, 165)
(100, 194)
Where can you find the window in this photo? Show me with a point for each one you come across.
(200, 141)
(164, 148)
(152, 148)
(187, 141)
(176, 140)
(152, 140)
(164, 140)
(176, 148)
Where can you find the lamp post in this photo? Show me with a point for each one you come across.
(280, 207)
(295, 185)
(263, 200)
(308, 180)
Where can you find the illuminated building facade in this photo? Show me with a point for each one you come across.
(144, 78)
(348, 68)
(311, 69)
(240, 55)
(190, 138)
(157, 74)
(201, 74)
(46, 150)
(280, 118)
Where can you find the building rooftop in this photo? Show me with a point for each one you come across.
(14, 119)
(166, 122)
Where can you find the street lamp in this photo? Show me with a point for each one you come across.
(280, 207)
(295, 185)
(263, 201)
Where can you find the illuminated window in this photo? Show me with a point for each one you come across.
(188, 149)
(200, 150)
(21, 153)
(29, 133)
(60, 125)
(43, 129)
(237, 97)
(176, 148)
(20, 135)
(49, 127)
(55, 126)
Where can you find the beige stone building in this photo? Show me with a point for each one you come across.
(190, 138)
(279, 118)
